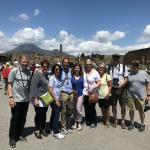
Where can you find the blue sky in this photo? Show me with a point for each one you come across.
(99, 26)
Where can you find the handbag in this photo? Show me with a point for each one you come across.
(93, 97)
(47, 98)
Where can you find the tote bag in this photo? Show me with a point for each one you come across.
(47, 98)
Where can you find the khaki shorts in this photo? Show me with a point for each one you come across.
(137, 104)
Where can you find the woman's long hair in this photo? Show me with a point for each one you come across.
(81, 70)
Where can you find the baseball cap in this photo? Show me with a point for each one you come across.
(7, 63)
(37, 65)
(15, 62)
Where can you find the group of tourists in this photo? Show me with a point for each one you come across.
(71, 90)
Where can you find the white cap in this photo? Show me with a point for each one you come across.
(15, 62)
(7, 63)
(37, 65)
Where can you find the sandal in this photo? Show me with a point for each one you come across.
(106, 125)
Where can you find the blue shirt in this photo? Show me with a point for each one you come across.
(66, 81)
(56, 86)
(78, 85)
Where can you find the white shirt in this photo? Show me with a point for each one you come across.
(117, 72)
(90, 80)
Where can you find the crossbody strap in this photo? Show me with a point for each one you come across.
(22, 78)
(64, 80)
(87, 82)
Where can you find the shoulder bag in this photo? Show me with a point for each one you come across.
(93, 96)
(47, 98)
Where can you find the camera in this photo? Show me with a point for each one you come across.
(116, 81)
(147, 107)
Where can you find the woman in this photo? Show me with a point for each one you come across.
(77, 85)
(55, 86)
(104, 93)
(5, 73)
(91, 85)
(39, 86)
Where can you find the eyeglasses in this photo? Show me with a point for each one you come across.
(88, 64)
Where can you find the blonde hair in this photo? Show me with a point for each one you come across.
(104, 65)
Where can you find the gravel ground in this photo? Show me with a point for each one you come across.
(91, 139)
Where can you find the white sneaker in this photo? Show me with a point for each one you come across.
(70, 131)
(79, 127)
(59, 136)
(74, 126)
(64, 131)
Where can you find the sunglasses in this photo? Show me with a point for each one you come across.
(101, 67)
(57, 69)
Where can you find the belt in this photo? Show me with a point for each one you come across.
(66, 92)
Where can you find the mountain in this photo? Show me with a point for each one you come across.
(30, 48)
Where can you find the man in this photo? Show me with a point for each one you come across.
(66, 97)
(119, 75)
(18, 91)
(139, 92)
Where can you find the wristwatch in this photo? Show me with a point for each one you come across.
(10, 97)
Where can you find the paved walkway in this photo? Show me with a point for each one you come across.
(91, 139)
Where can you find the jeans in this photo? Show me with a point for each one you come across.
(18, 119)
(40, 117)
(54, 120)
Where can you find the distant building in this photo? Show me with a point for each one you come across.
(5, 58)
(143, 55)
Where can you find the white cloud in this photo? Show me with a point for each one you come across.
(106, 36)
(36, 12)
(28, 35)
(89, 47)
(5, 43)
(68, 39)
(12, 18)
(145, 35)
(2, 35)
(49, 44)
(101, 43)
(20, 17)
(24, 17)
